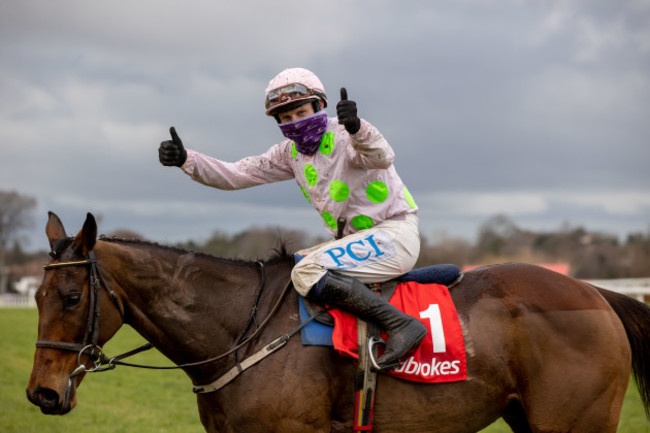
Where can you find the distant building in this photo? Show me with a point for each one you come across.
(27, 285)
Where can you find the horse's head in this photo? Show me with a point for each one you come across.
(72, 302)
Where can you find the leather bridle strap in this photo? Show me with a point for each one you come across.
(91, 333)
(61, 345)
(62, 264)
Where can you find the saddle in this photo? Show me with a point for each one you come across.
(368, 335)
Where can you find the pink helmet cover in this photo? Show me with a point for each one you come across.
(295, 75)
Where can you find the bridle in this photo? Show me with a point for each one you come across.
(90, 347)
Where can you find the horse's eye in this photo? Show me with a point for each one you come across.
(72, 299)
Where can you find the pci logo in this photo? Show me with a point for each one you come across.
(359, 252)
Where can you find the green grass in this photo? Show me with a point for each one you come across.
(136, 400)
(121, 400)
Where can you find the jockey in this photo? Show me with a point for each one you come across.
(344, 168)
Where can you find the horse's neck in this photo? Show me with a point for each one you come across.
(190, 307)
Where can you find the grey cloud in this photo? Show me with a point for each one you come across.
(527, 102)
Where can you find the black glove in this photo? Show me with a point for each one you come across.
(347, 113)
(171, 152)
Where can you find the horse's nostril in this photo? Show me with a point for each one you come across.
(45, 398)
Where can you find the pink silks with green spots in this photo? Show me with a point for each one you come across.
(348, 177)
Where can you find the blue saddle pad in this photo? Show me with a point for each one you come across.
(318, 334)
(315, 333)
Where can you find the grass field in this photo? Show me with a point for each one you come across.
(135, 400)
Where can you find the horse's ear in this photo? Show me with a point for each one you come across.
(54, 229)
(85, 239)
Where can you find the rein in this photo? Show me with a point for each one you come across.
(102, 363)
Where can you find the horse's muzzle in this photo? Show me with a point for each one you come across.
(49, 401)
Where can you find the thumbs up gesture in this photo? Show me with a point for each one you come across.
(346, 111)
(172, 152)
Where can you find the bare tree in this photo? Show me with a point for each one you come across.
(14, 216)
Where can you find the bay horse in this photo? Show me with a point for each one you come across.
(545, 352)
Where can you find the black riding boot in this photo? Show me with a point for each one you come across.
(349, 294)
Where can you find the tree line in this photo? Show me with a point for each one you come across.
(592, 255)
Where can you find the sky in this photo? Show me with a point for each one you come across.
(537, 110)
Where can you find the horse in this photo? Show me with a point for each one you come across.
(545, 352)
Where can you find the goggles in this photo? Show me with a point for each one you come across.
(290, 92)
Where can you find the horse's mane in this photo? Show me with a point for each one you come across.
(280, 255)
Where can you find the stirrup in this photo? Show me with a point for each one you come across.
(372, 342)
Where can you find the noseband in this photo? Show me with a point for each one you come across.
(89, 345)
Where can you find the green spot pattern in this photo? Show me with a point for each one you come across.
(409, 198)
(304, 192)
(339, 191)
(311, 175)
(329, 220)
(327, 143)
(377, 192)
(361, 222)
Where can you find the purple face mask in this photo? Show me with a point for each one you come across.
(306, 132)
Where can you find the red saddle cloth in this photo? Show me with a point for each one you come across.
(441, 355)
